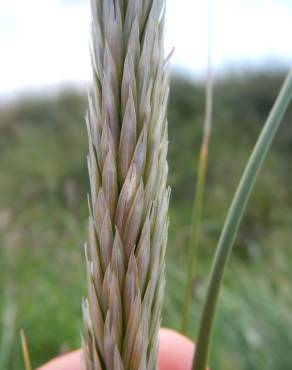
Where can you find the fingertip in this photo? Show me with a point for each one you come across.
(175, 351)
(70, 361)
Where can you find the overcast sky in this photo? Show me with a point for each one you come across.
(45, 42)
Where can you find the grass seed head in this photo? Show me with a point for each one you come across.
(128, 201)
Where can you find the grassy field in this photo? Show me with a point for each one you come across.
(43, 216)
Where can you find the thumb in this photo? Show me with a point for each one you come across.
(175, 351)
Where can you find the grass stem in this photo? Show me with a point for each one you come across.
(233, 219)
(25, 350)
(200, 185)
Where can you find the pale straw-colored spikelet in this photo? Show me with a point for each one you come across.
(128, 200)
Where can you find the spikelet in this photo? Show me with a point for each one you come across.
(128, 201)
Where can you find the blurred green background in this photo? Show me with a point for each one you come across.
(43, 216)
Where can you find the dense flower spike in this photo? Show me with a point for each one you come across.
(128, 200)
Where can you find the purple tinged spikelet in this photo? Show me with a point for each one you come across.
(128, 201)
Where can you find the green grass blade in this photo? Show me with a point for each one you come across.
(200, 186)
(233, 220)
(8, 326)
(25, 350)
